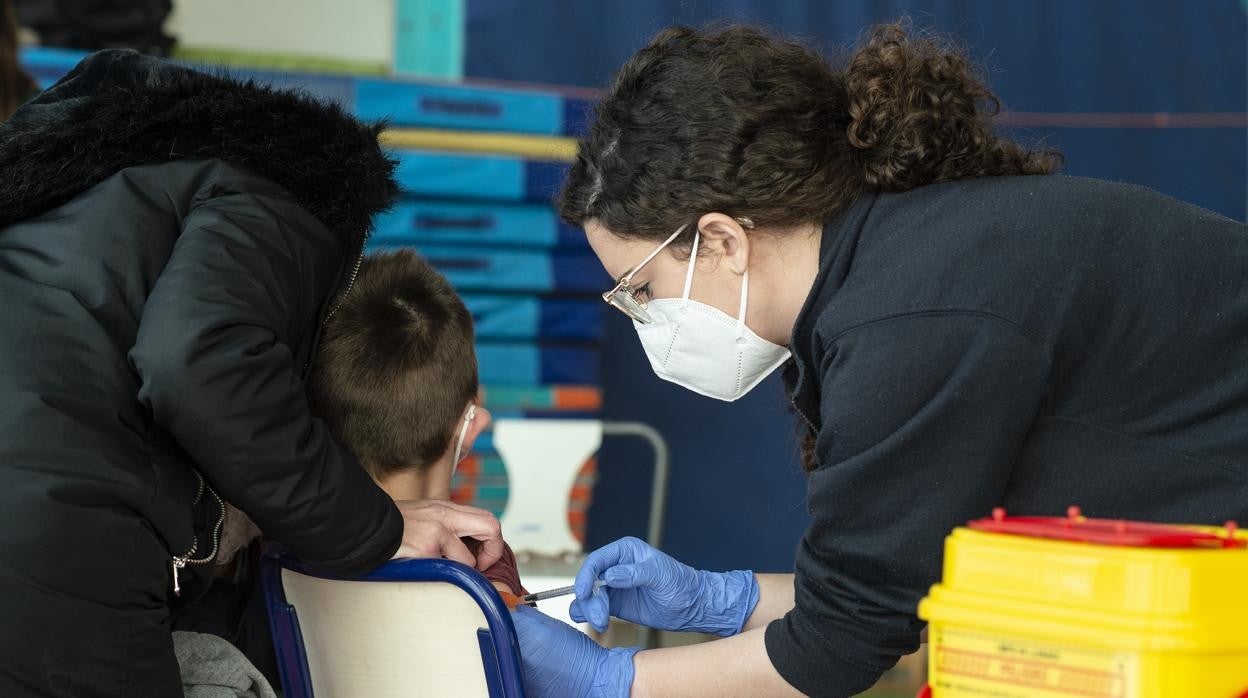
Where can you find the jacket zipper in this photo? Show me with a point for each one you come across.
(338, 301)
(342, 295)
(180, 561)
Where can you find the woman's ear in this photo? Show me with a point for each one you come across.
(725, 237)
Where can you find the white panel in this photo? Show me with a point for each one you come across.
(543, 457)
(358, 30)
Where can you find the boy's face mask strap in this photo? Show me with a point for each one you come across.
(469, 415)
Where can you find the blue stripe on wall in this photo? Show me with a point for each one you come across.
(505, 225)
(434, 174)
(505, 317)
(517, 363)
(430, 106)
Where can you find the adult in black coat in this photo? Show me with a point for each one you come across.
(170, 244)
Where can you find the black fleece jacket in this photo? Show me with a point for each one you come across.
(169, 244)
(1029, 342)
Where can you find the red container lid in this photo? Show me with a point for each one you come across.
(1132, 534)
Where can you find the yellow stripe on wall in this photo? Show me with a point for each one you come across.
(556, 148)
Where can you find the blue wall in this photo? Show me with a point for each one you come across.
(737, 491)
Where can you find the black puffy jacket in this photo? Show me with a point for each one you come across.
(170, 243)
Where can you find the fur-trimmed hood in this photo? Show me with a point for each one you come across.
(120, 109)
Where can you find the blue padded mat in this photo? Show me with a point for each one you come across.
(493, 224)
(483, 269)
(530, 317)
(510, 363)
(441, 175)
(403, 102)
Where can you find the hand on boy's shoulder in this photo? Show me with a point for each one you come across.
(434, 528)
(504, 574)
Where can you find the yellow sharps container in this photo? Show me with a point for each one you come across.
(1034, 607)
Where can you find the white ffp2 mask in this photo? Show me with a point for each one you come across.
(702, 348)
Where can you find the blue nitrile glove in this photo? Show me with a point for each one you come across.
(560, 660)
(646, 586)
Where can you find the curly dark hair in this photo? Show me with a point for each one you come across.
(743, 123)
(739, 122)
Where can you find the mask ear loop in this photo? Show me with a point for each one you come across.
(470, 415)
(745, 286)
(745, 295)
(693, 258)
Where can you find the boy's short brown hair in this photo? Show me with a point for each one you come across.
(396, 367)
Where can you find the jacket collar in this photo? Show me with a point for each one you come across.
(836, 255)
(120, 109)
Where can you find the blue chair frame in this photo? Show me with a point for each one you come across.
(500, 651)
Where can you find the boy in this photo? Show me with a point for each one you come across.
(395, 380)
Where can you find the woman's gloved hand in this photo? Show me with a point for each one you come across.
(646, 586)
(560, 660)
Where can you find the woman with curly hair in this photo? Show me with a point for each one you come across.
(958, 328)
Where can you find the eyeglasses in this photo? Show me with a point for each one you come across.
(624, 298)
